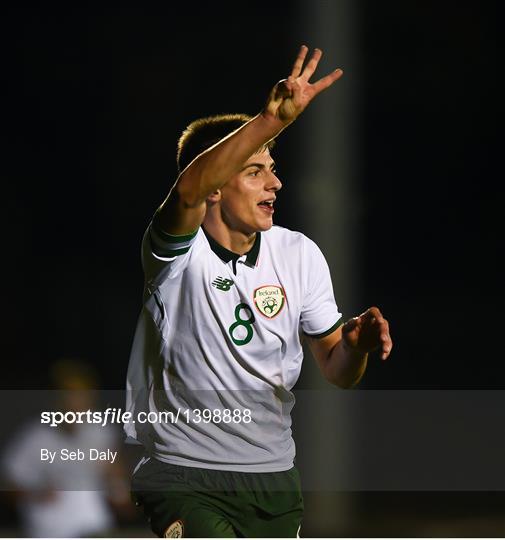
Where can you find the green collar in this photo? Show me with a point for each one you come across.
(226, 255)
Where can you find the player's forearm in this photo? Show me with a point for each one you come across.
(214, 167)
(345, 366)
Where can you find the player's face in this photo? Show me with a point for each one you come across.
(247, 200)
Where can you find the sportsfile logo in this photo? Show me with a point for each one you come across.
(222, 284)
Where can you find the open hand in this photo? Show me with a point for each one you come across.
(290, 96)
(368, 332)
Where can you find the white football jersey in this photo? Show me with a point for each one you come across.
(217, 346)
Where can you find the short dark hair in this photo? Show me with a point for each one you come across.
(205, 132)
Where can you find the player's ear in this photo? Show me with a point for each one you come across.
(215, 196)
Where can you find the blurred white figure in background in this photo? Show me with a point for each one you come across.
(66, 498)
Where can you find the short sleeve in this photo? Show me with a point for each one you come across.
(164, 255)
(320, 315)
(166, 245)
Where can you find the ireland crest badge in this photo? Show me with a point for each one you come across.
(269, 300)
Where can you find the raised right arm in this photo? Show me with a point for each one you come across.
(183, 210)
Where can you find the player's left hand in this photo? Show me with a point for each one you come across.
(368, 332)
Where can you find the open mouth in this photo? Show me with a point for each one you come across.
(267, 205)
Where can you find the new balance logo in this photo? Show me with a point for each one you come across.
(222, 284)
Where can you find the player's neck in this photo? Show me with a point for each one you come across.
(233, 240)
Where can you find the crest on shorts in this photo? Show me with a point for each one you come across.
(175, 530)
(269, 300)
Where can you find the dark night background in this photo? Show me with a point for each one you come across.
(93, 103)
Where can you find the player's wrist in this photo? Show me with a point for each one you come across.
(273, 122)
(353, 351)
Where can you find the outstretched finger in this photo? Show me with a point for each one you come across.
(327, 81)
(311, 64)
(387, 345)
(300, 59)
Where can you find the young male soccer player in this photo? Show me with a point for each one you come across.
(217, 347)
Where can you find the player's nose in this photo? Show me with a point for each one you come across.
(273, 182)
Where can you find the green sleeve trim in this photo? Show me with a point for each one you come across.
(172, 238)
(171, 252)
(328, 332)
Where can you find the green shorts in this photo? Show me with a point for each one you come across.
(192, 502)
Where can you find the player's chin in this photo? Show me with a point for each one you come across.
(264, 224)
(264, 221)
